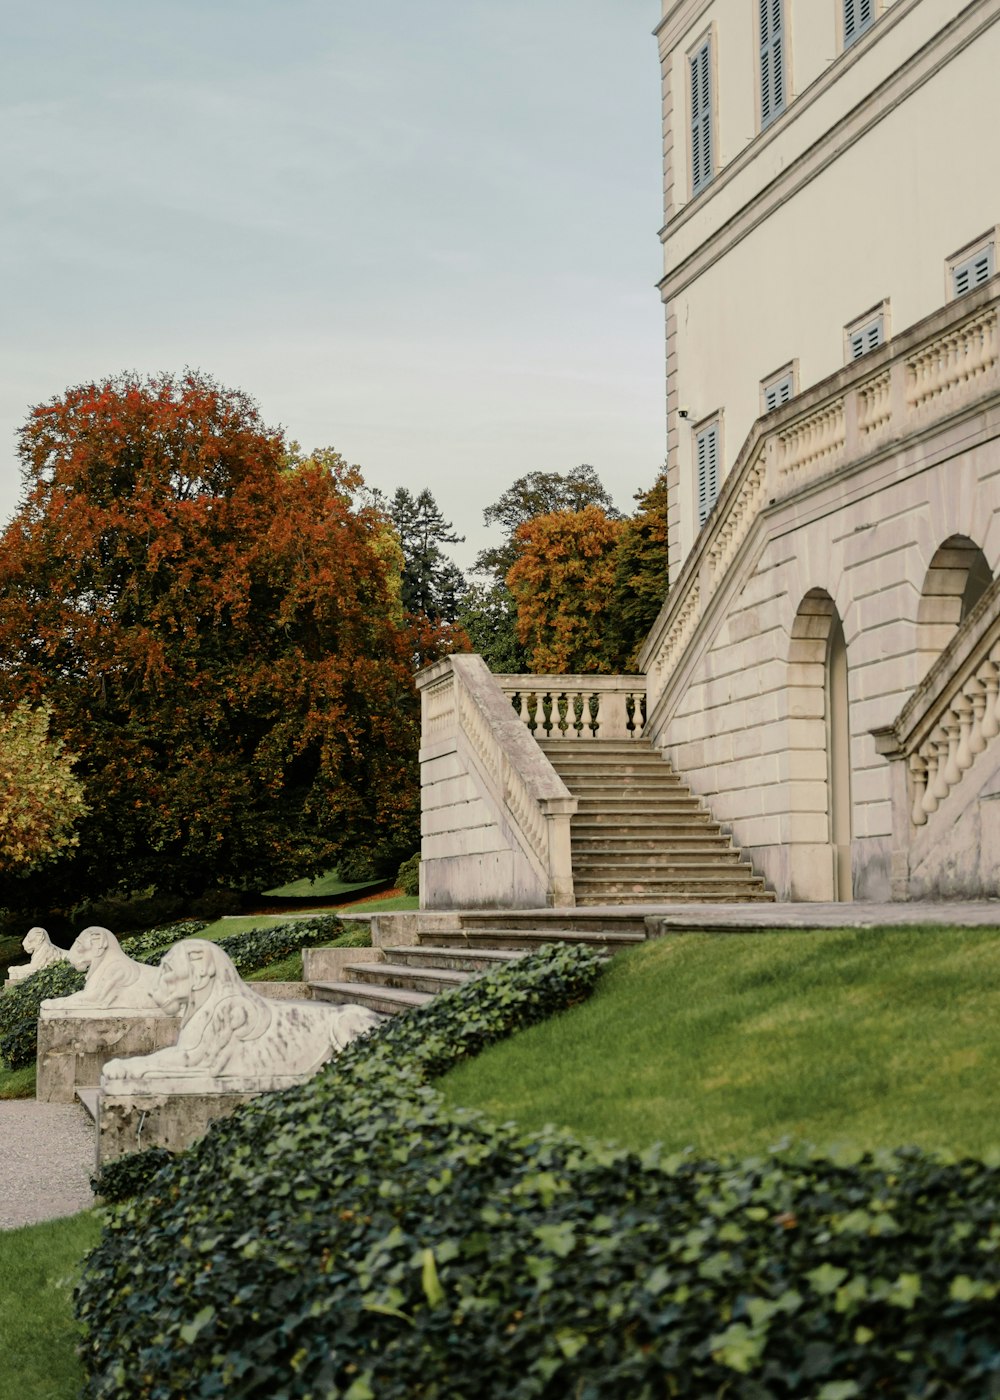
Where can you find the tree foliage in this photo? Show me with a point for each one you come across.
(561, 581)
(41, 798)
(432, 583)
(489, 612)
(212, 619)
(640, 579)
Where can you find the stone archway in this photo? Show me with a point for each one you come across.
(956, 578)
(820, 822)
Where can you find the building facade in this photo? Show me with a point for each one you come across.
(824, 674)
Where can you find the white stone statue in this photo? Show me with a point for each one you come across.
(42, 951)
(232, 1040)
(115, 982)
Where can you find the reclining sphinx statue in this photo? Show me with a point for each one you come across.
(42, 951)
(232, 1040)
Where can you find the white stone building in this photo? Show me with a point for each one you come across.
(824, 672)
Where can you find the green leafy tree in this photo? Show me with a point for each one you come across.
(41, 798)
(640, 581)
(561, 582)
(489, 611)
(213, 620)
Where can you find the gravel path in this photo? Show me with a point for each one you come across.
(46, 1161)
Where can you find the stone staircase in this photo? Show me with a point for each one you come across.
(454, 947)
(640, 835)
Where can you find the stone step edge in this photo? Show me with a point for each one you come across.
(365, 993)
(370, 972)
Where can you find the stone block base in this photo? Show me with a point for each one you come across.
(72, 1050)
(133, 1122)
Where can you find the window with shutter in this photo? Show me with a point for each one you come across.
(973, 272)
(772, 60)
(701, 118)
(707, 459)
(778, 391)
(864, 338)
(858, 16)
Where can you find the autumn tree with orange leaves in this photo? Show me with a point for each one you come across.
(215, 625)
(561, 581)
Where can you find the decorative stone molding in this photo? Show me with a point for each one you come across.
(42, 951)
(231, 1040)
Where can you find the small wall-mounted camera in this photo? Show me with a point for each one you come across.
(683, 413)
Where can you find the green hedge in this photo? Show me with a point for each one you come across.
(19, 1006)
(353, 1238)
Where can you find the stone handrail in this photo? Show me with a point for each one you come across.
(465, 709)
(954, 714)
(578, 707)
(937, 368)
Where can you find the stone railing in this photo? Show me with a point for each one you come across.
(578, 707)
(941, 366)
(488, 786)
(954, 714)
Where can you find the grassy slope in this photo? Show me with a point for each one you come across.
(731, 1044)
(38, 1268)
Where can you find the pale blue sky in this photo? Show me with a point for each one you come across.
(424, 234)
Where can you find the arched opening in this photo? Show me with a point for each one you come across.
(956, 578)
(820, 826)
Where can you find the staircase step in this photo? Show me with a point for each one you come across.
(618, 859)
(435, 956)
(405, 977)
(526, 939)
(387, 1000)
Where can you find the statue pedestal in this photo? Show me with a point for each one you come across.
(133, 1122)
(73, 1046)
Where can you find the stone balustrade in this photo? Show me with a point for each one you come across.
(953, 716)
(495, 814)
(940, 367)
(578, 707)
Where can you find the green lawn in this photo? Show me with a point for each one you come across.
(38, 1268)
(329, 884)
(860, 1038)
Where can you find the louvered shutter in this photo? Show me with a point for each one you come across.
(701, 118)
(974, 271)
(778, 393)
(858, 15)
(707, 455)
(772, 60)
(867, 337)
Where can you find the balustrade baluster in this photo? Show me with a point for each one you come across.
(989, 674)
(940, 780)
(963, 709)
(930, 799)
(977, 742)
(952, 772)
(918, 776)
